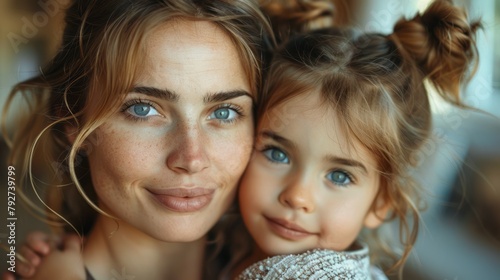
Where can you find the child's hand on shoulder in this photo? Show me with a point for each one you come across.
(36, 246)
(42, 260)
(65, 263)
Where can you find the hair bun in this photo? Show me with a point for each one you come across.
(441, 40)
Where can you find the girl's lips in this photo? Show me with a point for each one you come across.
(286, 229)
(183, 199)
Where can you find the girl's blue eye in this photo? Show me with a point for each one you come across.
(142, 110)
(224, 114)
(339, 177)
(276, 155)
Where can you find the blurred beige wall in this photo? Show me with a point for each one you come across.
(29, 36)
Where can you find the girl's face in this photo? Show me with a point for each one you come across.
(306, 186)
(168, 162)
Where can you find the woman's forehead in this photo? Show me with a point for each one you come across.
(183, 29)
(187, 56)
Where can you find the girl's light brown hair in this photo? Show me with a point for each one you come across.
(375, 84)
(102, 50)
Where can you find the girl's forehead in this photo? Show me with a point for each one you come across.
(307, 103)
(314, 125)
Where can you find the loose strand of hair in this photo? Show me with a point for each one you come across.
(31, 179)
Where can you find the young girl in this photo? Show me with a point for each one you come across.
(341, 116)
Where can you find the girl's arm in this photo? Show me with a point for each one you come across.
(47, 262)
(65, 263)
(37, 245)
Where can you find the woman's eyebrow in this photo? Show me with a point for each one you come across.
(156, 92)
(173, 97)
(225, 95)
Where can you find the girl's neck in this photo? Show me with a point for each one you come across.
(115, 249)
(256, 255)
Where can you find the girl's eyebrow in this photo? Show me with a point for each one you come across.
(330, 158)
(280, 139)
(347, 162)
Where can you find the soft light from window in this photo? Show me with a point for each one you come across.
(423, 4)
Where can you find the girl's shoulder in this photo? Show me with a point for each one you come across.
(316, 264)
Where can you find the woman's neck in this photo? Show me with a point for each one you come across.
(114, 250)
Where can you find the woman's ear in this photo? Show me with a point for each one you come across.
(378, 212)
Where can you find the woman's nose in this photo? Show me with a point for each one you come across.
(298, 195)
(188, 150)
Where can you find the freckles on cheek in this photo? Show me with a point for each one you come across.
(233, 160)
(237, 154)
(121, 155)
(132, 147)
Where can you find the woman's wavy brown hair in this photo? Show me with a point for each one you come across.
(102, 50)
(375, 84)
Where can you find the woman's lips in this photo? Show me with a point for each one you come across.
(286, 229)
(183, 199)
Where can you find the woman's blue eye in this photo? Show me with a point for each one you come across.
(224, 114)
(339, 177)
(276, 155)
(142, 110)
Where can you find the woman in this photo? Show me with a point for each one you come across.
(148, 118)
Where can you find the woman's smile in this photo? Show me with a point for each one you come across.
(183, 199)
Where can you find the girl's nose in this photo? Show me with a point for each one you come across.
(298, 195)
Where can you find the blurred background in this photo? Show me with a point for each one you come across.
(459, 168)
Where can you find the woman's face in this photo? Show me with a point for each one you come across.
(168, 162)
